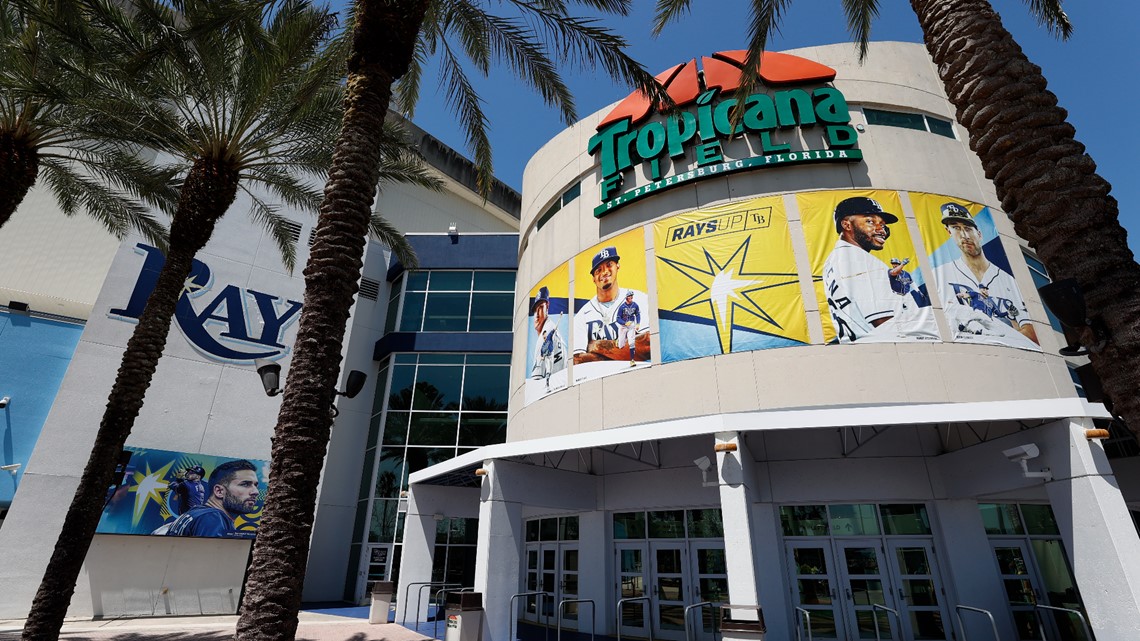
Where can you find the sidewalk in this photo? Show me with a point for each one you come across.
(312, 626)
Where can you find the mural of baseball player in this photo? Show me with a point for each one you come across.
(546, 342)
(979, 295)
(234, 491)
(611, 328)
(869, 293)
(188, 490)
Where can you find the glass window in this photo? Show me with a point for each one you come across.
(433, 428)
(705, 524)
(1001, 518)
(548, 529)
(383, 526)
(495, 282)
(400, 398)
(491, 312)
(417, 281)
(573, 192)
(1041, 278)
(441, 359)
(450, 281)
(389, 473)
(442, 301)
(940, 127)
(396, 428)
(477, 429)
(393, 310)
(486, 388)
(568, 528)
(437, 388)
(419, 458)
(413, 315)
(853, 520)
(446, 312)
(532, 530)
(1077, 382)
(804, 520)
(629, 525)
(667, 524)
(548, 214)
(905, 519)
(894, 119)
(366, 473)
(1039, 519)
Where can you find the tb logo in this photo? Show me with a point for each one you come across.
(224, 329)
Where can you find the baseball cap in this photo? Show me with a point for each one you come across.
(607, 253)
(196, 469)
(543, 297)
(860, 205)
(629, 294)
(955, 213)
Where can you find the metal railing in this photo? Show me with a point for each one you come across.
(407, 599)
(622, 602)
(438, 593)
(593, 612)
(958, 614)
(1084, 624)
(515, 619)
(702, 604)
(875, 618)
(799, 628)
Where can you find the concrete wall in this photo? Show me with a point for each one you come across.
(897, 76)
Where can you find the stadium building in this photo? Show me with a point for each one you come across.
(781, 352)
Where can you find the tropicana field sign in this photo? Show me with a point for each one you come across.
(625, 139)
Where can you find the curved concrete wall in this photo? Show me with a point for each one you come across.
(896, 77)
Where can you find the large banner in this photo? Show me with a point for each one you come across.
(982, 301)
(547, 337)
(865, 268)
(179, 494)
(611, 308)
(727, 281)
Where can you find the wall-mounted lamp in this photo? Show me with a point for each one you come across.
(453, 232)
(352, 387)
(1096, 434)
(11, 467)
(704, 465)
(18, 307)
(724, 447)
(4, 402)
(270, 373)
(1021, 455)
(480, 472)
(1067, 302)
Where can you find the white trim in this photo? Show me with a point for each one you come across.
(798, 418)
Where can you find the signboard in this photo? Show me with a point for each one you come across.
(727, 281)
(865, 268)
(179, 494)
(547, 338)
(981, 299)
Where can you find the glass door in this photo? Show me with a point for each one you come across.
(668, 588)
(813, 587)
(864, 583)
(567, 580)
(373, 568)
(1020, 585)
(631, 563)
(552, 568)
(710, 583)
(921, 604)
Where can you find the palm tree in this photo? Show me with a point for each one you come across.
(390, 42)
(238, 98)
(1046, 182)
(47, 118)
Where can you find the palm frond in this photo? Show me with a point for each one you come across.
(668, 11)
(1052, 16)
(385, 232)
(465, 101)
(860, 14)
(280, 228)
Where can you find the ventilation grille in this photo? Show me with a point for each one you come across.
(312, 236)
(369, 288)
(294, 229)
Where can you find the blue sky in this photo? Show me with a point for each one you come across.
(1094, 75)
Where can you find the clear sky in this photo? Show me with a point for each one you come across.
(1094, 75)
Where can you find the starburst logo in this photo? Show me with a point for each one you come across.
(149, 486)
(726, 287)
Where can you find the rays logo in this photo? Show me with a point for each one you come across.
(231, 325)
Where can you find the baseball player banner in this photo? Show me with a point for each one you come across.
(547, 336)
(979, 296)
(611, 308)
(179, 494)
(865, 268)
(727, 281)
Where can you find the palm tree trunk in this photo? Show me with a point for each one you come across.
(205, 196)
(1046, 182)
(19, 165)
(382, 49)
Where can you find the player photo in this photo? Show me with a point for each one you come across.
(727, 281)
(547, 336)
(981, 299)
(611, 327)
(192, 495)
(866, 268)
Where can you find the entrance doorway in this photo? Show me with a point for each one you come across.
(551, 568)
(373, 567)
(673, 575)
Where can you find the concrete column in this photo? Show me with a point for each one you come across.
(594, 551)
(499, 554)
(968, 570)
(1097, 530)
(416, 560)
(770, 578)
(737, 478)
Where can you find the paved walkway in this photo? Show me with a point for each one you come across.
(311, 627)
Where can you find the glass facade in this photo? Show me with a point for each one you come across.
(451, 301)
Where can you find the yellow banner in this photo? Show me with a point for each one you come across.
(727, 281)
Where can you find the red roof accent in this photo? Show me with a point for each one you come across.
(722, 70)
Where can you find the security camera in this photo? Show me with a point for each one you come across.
(703, 463)
(1022, 452)
(11, 467)
(4, 402)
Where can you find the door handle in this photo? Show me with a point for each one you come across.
(902, 597)
(849, 598)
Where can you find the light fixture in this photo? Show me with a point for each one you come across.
(453, 232)
(1067, 302)
(1021, 455)
(724, 447)
(352, 387)
(4, 402)
(18, 307)
(1096, 434)
(704, 465)
(11, 467)
(270, 373)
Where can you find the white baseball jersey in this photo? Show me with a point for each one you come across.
(1001, 300)
(555, 359)
(598, 321)
(858, 290)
